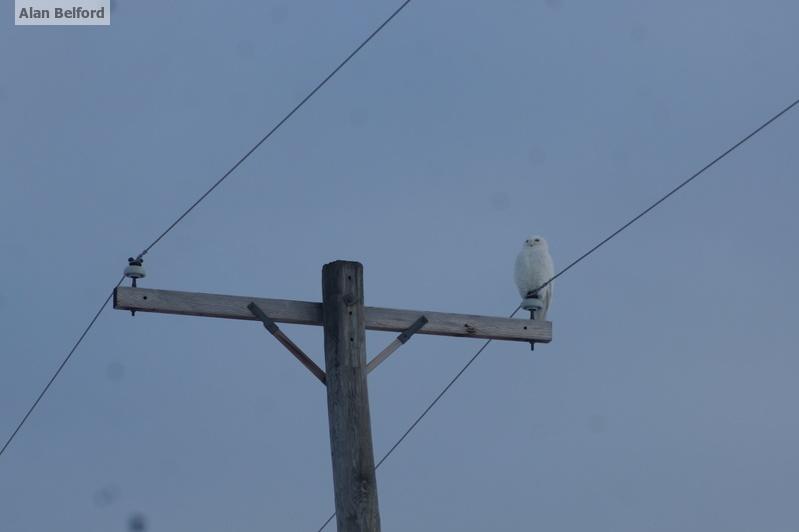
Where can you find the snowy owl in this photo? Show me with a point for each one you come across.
(533, 269)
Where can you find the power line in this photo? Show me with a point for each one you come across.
(426, 410)
(60, 367)
(439, 396)
(570, 266)
(275, 128)
(672, 192)
(198, 201)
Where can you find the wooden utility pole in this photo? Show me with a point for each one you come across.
(348, 399)
(345, 320)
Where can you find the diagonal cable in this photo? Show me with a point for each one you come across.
(672, 192)
(570, 266)
(60, 367)
(275, 128)
(199, 200)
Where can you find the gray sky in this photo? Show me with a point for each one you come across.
(667, 400)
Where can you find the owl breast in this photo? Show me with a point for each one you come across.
(533, 269)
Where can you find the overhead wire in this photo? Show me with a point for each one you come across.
(60, 367)
(198, 201)
(569, 267)
(275, 128)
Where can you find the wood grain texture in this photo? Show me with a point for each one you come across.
(344, 321)
(308, 313)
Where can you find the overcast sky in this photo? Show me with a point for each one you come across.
(667, 400)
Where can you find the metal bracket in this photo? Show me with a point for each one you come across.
(293, 348)
(403, 337)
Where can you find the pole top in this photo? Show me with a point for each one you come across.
(342, 262)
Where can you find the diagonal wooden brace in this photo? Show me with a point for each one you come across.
(293, 348)
(393, 346)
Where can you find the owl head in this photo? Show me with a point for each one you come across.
(534, 241)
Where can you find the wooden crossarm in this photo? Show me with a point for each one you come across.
(308, 313)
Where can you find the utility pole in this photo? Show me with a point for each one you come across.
(348, 399)
(345, 319)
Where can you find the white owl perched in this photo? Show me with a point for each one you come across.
(533, 269)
